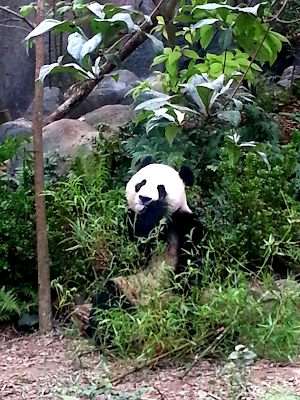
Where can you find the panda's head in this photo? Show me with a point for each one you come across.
(156, 181)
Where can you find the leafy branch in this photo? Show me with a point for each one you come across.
(7, 9)
(85, 89)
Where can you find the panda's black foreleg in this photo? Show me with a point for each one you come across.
(190, 233)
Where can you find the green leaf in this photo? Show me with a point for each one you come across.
(63, 9)
(43, 27)
(203, 22)
(149, 94)
(113, 59)
(280, 37)
(191, 54)
(216, 67)
(214, 6)
(273, 38)
(233, 117)
(158, 45)
(171, 132)
(234, 153)
(156, 122)
(174, 56)
(115, 77)
(97, 9)
(243, 61)
(171, 68)
(206, 35)
(75, 45)
(225, 39)
(25, 10)
(205, 95)
(71, 67)
(159, 59)
(152, 105)
(124, 18)
(91, 45)
(256, 67)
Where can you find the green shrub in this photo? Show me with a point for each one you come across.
(9, 305)
(256, 314)
(251, 212)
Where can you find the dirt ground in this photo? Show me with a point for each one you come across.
(47, 367)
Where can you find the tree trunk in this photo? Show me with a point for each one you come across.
(45, 312)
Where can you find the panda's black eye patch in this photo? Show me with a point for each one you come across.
(139, 185)
(161, 191)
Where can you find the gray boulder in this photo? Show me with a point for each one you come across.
(109, 91)
(286, 77)
(52, 99)
(110, 117)
(140, 60)
(62, 139)
(66, 136)
(20, 127)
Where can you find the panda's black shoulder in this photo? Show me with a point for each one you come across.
(185, 223)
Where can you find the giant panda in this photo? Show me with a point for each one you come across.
(156, 192)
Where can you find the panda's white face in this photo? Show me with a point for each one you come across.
(142, 188)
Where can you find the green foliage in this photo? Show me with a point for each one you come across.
(89, 54)
(252, 204)
(228, 63)
(11, 147)
(279, 393)
(76, 392)
(242, 25)
(9, 305)
(88, 222)
(17, 236)
(244, 38)
(239, 371)
(191, 322)
(206, 100)
(259, 125)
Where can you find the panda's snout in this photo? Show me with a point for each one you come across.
(145, 200)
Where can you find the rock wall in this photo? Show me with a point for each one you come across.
(17, 68)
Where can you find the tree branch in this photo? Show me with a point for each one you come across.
(251, 62)
(279, 12)
(16, 27)
(32, 26)
(293, 21)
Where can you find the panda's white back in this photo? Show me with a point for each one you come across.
(157, 174)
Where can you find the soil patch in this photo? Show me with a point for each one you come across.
(44, 367)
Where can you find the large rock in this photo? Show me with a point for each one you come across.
(110, 117)
(53, 98)
(64, 137)
(109, 91)
(62, 140)
(19, 127)
(287, 75)
(17, 67)
(140, 60)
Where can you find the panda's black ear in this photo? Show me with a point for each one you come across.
(187, 175)
(146, 161)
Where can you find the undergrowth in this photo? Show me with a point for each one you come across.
(258, 314)
(251, 217)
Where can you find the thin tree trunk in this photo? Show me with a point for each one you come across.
(45, 317)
